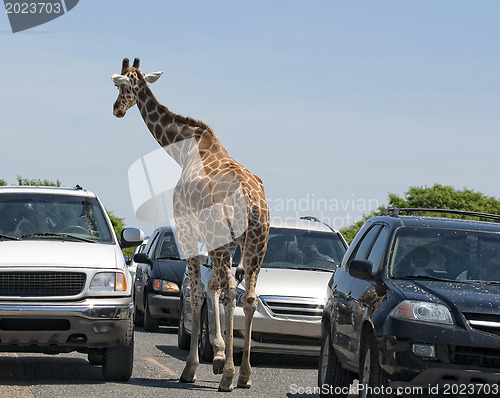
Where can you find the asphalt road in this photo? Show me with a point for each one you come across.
(157, 366)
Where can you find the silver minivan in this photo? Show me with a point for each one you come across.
(301, 257)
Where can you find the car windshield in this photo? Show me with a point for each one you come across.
(52, 216)
(302, 249)
(448, 254)
(168, 247)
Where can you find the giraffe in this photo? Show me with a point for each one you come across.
(217, 202)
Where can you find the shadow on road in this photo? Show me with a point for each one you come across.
(257, 359)
(48, 370)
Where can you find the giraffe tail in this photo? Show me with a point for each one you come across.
(240, 273)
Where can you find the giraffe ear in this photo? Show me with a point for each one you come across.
(119, 79)
(152, 77)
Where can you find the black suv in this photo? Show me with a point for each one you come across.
(415, 305)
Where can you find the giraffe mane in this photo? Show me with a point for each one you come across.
(178, 118)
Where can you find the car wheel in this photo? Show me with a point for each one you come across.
(138, 316)
(371, 375)
(95, 358)
(205, 349)
(183, 337)
(150, 324)
(118, 361)
(333, 379)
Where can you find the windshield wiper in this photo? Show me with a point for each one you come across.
(314, 269)
(170, 258)
(429, 278)
(2, 236)
(483, 282)
(54, 235)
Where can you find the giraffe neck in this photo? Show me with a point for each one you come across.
(178, 135)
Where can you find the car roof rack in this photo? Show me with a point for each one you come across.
(316, 219)
(395, 211)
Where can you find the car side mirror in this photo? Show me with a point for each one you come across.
(361, 269)
(131, 237)
(143, 258)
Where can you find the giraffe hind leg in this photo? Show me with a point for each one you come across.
(192, 361)
(215, 327)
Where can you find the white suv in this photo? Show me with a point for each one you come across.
(64, 285)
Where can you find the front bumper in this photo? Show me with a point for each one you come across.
(278, 335)
(90, 323)
(462, 355)
(163, 307)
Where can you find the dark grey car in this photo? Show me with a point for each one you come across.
(157, 281)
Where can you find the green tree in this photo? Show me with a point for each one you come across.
(435, 197)
(350, 232)
(118, 225)
(446, 197)
(2, 183)
(37, 182)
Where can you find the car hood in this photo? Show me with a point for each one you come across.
(290, 282)
(55, 253)
(464, 297)
(171, 270)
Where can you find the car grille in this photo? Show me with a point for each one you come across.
(41, 284)
(484, 322)
(475, 356)
(300, 307)
(275, 338)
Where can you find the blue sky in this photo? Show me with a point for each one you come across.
(334, 104)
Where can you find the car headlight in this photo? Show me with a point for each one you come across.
(423, 311)
(108, 282)
(160, 285)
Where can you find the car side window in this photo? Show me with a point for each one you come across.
(150, 250)
(378, 249)
(366, 244)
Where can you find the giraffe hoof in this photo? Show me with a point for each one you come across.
(225, 388)
(186, 377)
(183, 380)
(218, 365)
(244, 382)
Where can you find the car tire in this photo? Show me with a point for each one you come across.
(150, 324)
(183, 337)
(205, 349)
(333, 379)
(96, 359)
(138, 316)
(371, 375)
(118, 361)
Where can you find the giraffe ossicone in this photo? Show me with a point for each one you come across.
(216, 202)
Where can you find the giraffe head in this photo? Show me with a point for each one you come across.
(128, 84)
